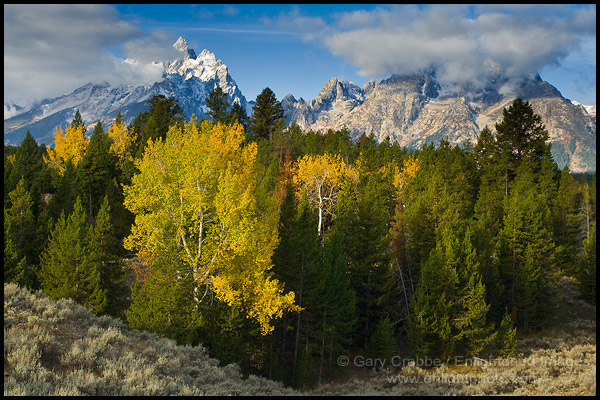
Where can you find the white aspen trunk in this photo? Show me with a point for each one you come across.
(320, 212)
(320, 220)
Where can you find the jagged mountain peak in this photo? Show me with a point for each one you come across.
(208, 56)
(424, 81)
(182, 46)
(204, 66)
(336, 90)
(289, 98)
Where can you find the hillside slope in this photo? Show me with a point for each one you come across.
(60, 348)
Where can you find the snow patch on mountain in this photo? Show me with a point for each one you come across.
(591, 110)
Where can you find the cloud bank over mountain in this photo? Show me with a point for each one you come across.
(464, 44)
(50, 50)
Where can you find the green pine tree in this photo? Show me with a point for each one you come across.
(506, 339)
(383, 344)
(19, 233)
(78, 121)
(14, 268)
(525, 250)
(567, 204)
(587, 267)
(28, 164)
(95, 172)
(331, 306)
(20, 219)
(239, 114)
(362, 219)
(521, 136)
(488, 217)
(66, 191)
(473, 332)
(266, 116)
(65, 270)
(102, 253)
(306, 373)
(162, 301)
(429, 330)
(154, 123)
(43, 229)
(217, 105)
(303, 241)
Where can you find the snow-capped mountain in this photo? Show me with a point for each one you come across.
(189, 79)
(414, 110)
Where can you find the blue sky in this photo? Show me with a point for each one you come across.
(52, 49)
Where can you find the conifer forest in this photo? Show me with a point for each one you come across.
(282, 251)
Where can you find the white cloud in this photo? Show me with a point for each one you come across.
(50, 50)
(155, 47)
(462, 42)
(309, 28)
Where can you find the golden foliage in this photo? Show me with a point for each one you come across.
(322, 178)
(69, 144)
(195, 193)
(121, 141)
(314, 172)
(10, 160)
(408, 171)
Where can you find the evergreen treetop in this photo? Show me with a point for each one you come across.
(266, 114)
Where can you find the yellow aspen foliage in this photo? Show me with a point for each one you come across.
(322, 177)
(409, 169)
(122, 141)
(194, 195)
(10, 160)
(69, 144)
(361, 165)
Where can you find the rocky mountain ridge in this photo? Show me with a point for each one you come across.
(414, 110)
